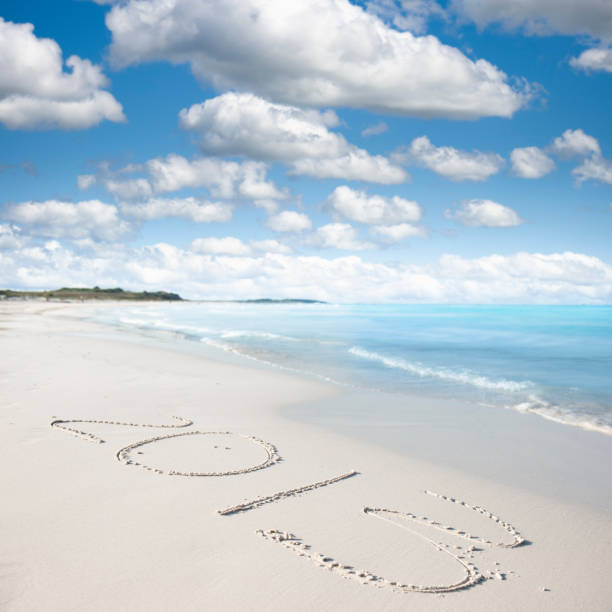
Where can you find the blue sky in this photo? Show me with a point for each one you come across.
(392, 150)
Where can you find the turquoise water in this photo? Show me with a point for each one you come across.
(555, 361)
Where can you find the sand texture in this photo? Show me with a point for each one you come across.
(139, 475)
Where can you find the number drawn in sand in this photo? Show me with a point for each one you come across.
(125, 454)
(517, 540)
(260, 501)
(61, 424)
(460, 555)
(272, 456)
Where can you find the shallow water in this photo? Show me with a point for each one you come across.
(554, 361)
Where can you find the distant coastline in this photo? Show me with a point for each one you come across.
(116, 293)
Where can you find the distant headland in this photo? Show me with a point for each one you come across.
(94, 293)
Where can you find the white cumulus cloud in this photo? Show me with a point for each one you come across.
(355, 165)
(73, 220)
(10, 237)
(289, 221)
(541, 17)
(324, 53)
(451, 163)
(224, 179)
(357, 205)
(342, 236)
(575, 142)
(245, 124)
(398, 232)
(193, 209)
(270, 246)
(36, 92)
(484, 213)
(531, 162)
(85, 181)
(376, 129)
(595, 168)
(218, 246)
(129, 189)
(596, 59)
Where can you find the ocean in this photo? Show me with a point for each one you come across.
(553, 361)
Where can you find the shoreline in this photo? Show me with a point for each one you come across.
(519, 450)
(148, 541)
(472, 387)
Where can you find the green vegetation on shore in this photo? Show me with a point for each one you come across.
(95, 293)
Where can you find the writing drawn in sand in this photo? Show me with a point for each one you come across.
(126, 454)
(463, 556)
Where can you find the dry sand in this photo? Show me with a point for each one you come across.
(123, 507)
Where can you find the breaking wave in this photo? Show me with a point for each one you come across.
(559, 414)
(462, 377)
(240, 333)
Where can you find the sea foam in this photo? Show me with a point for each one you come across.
(558, 414)
(244, 333)
(462, 377)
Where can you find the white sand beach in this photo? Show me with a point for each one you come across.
(255, 498)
